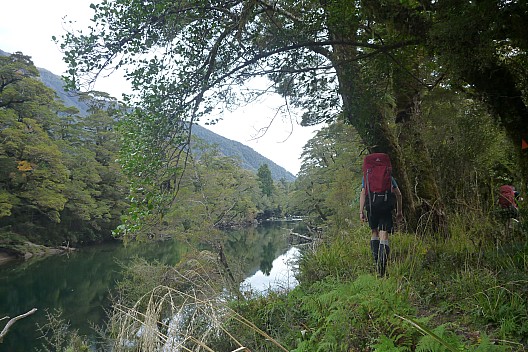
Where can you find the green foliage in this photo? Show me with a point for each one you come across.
(382, 66)
(59, 182)
(332, 315)
(328, 184)
(346, 315)
(452, 280)
(212, 192)
(335, 258)
(387, 344)
(215, 192)
(152, 171)
(464, 141)
(406, 74)
(441, 339)
(462, 291)
(139, 278)
(265, 180)
(502, 307)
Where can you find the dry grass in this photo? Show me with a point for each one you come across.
(186, 313)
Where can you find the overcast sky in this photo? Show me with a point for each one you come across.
(28, 25)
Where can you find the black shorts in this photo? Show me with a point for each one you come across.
(509, 212)
(380, 211)
(381, 220)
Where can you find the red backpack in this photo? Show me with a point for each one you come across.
(377, 170)
(507, 196)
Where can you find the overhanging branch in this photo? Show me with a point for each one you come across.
(14, 320)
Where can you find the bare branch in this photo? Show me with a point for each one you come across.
(14, 320)
(283, 12)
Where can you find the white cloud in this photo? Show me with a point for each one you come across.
(28, 26)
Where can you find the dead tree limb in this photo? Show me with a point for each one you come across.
(12, 321)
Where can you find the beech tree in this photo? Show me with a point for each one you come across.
(265, 180)
(189, 60)
(34, 173)
(478, 47)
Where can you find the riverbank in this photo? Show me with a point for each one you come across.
(33, 250)
(80, 284)
(16, 247)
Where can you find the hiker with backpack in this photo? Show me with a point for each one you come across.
(379, 195)
(507, 201)
(508, 198)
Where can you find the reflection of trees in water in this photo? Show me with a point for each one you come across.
(78, 284)
(268, 255)
(78, 287)
(255, 248)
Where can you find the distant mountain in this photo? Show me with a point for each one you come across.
(55, 82)
(249, 159)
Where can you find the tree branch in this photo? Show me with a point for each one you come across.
(12, 321)
(307, 45)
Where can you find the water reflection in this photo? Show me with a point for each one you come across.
(79, 283)
(280, 276)
(256, 248)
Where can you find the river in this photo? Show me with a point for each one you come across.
(79, 284)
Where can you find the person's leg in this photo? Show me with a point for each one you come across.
(374, 245)
(373, 220)
(384, 249)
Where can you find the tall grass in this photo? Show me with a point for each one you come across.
(173, 320)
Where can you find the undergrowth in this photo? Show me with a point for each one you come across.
(464, 292)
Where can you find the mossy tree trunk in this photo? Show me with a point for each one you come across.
(428, 202)
(363, 110)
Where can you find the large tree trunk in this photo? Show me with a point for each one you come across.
(367, 114)
(360, 111)
(412, 166)
(421, 171)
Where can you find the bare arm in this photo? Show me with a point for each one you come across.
(362, 204)
(398, 195)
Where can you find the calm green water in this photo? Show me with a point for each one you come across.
(79, 284)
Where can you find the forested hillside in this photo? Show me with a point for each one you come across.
(249, 159)
(60, 183)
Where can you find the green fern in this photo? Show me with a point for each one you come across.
(386, 344)
(486, 345)
(440, 340)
